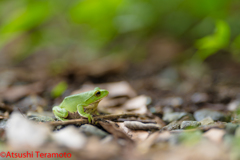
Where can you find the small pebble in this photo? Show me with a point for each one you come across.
(215, 115)
(70, 137)
(207, 121)
(173, 101)
(231, 128)
(199, 98)
(169, 117)
(172, 126)
(167, 109)
(91, 130)
(190, 124)
(41, 117)
(3, 123)
(234, 105)
(22, 132)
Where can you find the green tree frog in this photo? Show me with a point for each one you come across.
(83, 104)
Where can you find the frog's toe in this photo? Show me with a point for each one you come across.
(60, 118)
(90, 119)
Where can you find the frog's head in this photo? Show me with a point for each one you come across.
(97, 95)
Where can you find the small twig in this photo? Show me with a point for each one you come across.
(135, 125)
(116, 116)
(21, 112)
(72, 121)
(96, 118)
(139, 120)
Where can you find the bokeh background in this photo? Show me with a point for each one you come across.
(88, 40)
(78, 31)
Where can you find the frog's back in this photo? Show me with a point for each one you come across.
(70, 103)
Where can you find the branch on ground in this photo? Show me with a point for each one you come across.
(96, 118)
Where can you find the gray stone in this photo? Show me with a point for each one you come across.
(169, 117)
(167, 109)
(199, 98)
(173, 101)
(22, 133)
(3, 123)
(231, 128)
(91, 130)
(171, 126)
(237, 132)
(40, 117)
(190, 124)
(234, 105)
(215, 115)
(70, 137)
(207, 121)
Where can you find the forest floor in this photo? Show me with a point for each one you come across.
(153, 110)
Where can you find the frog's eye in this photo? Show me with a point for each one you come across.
(98, 93)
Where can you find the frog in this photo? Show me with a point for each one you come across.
(80, 105)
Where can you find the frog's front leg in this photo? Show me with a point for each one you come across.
(80, 109)
(60, 113)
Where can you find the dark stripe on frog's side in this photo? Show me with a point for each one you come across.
(73, 115)
(90, 109)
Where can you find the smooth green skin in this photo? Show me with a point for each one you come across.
(85, 104)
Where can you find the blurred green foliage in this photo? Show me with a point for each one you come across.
(89, 27)
(209, 45)
(190, 138)
(59, 89)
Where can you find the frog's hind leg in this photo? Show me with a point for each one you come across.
(80, 110)
(60, 113)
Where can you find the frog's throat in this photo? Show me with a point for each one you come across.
(94, 104)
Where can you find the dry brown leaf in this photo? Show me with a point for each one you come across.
(97, 150)
(205, 150)
(137, 136)
(215, 135)
(145, 145)
(164, 136)
(115, 130)
(116, 89)
(137, 104)
(112, 105)
(112, 102)
(16, 92)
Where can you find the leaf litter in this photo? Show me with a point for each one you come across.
(132, 125)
